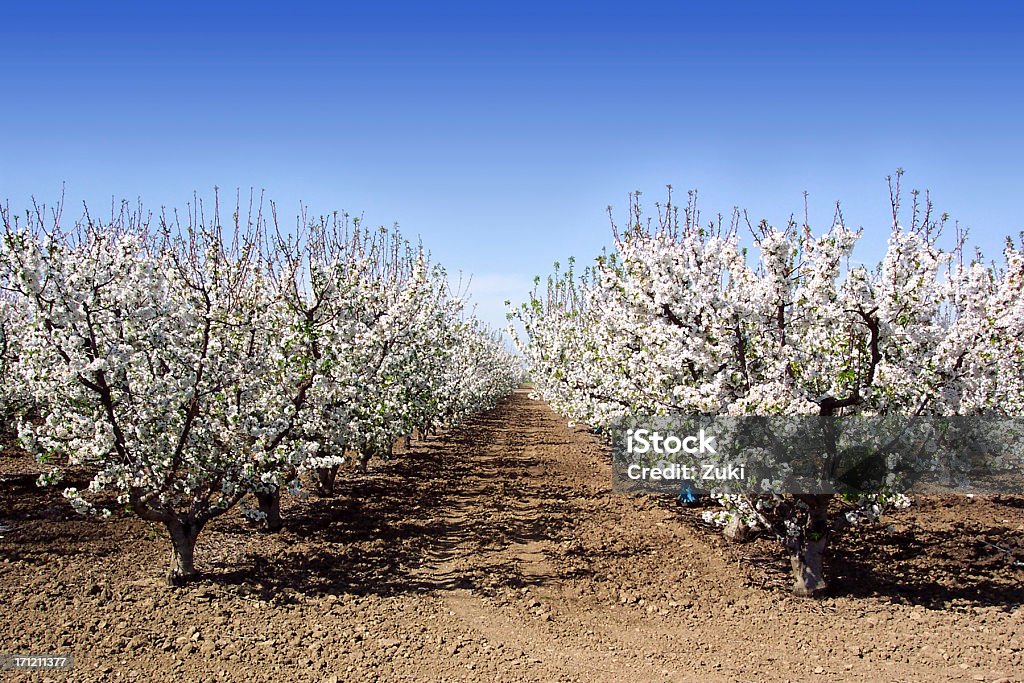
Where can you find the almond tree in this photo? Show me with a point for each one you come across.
(680, 321)
(150, 347)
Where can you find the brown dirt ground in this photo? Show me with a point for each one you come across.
(498, 552)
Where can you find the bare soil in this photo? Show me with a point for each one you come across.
(498, 552)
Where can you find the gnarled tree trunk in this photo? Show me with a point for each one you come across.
(325, 478)
(362, 461)
(270, 505)
(807, 549)
(183, 546)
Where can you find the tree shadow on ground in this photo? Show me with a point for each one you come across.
(416, 524)
(935, 568)
(916, 559)
(41, 524)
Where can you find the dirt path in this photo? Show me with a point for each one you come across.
(495, 552)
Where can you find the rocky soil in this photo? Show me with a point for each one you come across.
(498, 552)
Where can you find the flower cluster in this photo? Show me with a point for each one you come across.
(14, 400)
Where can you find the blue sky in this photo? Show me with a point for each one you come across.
(500, 132)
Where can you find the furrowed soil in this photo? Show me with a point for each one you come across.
(497, 552)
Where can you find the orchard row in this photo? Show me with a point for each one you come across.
(189, 364)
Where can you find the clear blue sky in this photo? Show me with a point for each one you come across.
(500, 132)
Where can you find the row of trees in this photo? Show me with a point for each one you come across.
(683, 319)
(190, 363)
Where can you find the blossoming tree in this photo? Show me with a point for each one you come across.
(681, 320)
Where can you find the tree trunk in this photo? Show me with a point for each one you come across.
(270, 505)
(807, 550)
(362, 461)
(736, 531)
(325, 478)
(183, 546)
